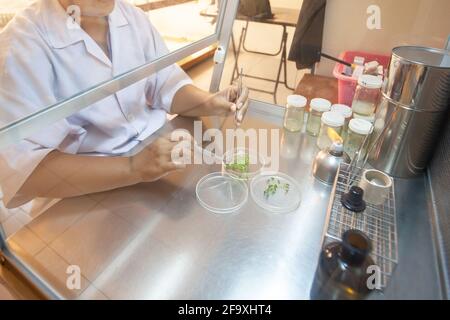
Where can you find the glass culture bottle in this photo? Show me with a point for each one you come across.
(367, 95)
(330, 120)
(358, 130)
(295, 113)
(347, 113)
(317, 107)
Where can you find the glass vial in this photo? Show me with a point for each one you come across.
(342, 270)
(367, 95)
(347, 113)
(330, 120)
(358, 130)
(295, 113)
(317, 107)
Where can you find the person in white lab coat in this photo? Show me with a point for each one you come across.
(42, 61)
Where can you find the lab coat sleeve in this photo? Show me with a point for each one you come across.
(26, 79)
(162, 86)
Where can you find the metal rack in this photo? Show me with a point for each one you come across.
(377, 222)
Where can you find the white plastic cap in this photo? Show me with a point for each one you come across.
(320, 105)
(343, 109)
(370, 119)
(333, 119)
(297, 101)
(360, 126)
(370, 82)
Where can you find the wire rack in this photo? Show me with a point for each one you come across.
(377, 222)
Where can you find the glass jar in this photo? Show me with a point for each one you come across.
(367, 95)
(330, 120)
(318, 107)
(358, 130)
(370, 119)
(295, 113)
(347, 113)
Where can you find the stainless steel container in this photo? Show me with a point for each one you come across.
(415, 101)
(327, 162)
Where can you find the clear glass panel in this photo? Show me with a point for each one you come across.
(126, 241)
(43, 205)
(58, 223)
(53, 50)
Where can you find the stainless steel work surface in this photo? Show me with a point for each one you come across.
(154, 241)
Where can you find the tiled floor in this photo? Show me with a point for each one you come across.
(5, 294)
(254, 64)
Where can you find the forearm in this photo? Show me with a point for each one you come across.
(62, 175)
(191, 101)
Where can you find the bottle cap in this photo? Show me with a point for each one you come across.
(320, 105)
(296, 101)
(353, 200)
(337, 147)
(370, 82)
(333, 119)
(356, 247)
(360, 126)
(370, 118)
(343, 109)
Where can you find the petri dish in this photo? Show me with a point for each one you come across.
(220, 193)
(283, 198)
(243, 164)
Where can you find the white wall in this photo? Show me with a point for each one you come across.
(414, 22)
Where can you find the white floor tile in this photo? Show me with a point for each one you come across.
(27, 240)
(54, 269)
(92, 293)
(94, 241)
(52, 223)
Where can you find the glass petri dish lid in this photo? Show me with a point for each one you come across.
(220, 193)
(242, 163)
(275, 192)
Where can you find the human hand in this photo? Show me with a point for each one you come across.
(229, 100)
(155, 161)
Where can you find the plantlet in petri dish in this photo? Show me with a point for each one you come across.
(273, 185)
(240, 164)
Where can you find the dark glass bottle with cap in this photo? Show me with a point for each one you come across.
(342, 270)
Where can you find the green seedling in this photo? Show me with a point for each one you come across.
(273, 185)
(241, 164)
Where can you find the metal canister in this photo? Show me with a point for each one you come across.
(413, 108)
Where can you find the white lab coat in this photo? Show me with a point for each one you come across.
(43, 62)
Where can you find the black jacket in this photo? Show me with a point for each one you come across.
(307, 43)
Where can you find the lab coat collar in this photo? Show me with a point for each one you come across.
(55, 20)
(60, 36)
(117, 18)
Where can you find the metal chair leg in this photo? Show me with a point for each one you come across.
(285, 61)
(260, 52)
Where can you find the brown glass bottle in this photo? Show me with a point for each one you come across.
(342, 270)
